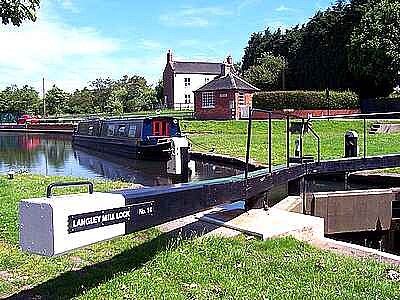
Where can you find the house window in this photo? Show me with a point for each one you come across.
(187, 98)
(187, 82)
(208, 100)
(241, 99)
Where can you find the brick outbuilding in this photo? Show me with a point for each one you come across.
(227, 97)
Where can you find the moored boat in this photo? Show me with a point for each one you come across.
(137, 138)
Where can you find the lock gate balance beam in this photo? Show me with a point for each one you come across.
(56, 224)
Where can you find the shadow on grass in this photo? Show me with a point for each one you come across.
(73, 283)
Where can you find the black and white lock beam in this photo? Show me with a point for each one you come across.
(57, 224)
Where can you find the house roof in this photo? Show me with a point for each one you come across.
(227, 82)
(196, 67)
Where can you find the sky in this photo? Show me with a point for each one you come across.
(76, 41)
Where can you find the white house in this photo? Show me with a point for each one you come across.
(180, 79)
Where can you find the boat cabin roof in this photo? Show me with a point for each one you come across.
(129, 119)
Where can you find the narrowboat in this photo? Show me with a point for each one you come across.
(138, 138)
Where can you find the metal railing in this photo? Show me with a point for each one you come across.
(305, 124)
(364, 118)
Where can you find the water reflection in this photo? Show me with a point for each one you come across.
(50, 154)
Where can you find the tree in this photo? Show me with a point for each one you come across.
(317, 52)
(266, 74)
(16, 11)
(114, 103)
(159, 88)
(375, 48)
(82, 102)
(101, 89)
(237, 68)
(56, 101)
(20, 100)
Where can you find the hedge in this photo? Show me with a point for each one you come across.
(305, 100)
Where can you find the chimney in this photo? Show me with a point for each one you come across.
(226, 66)
(169, 56)
(229, 60)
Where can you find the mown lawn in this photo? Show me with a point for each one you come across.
(229, 137)
(152, 265)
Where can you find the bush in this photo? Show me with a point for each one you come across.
(305, 100)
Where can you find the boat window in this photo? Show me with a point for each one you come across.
(156, 128)
(82, 128)
(121, 130)
(90, 130)
(132, 130)
(110, 130)
(160, 128)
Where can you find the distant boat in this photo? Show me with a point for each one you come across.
(138, 138)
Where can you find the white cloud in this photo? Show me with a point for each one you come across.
(68, 56)
(47, 46)
(68, 5)
(283, 8)
(243, 4)
(193, 17)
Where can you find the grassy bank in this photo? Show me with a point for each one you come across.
(152, 265)
(229, 137)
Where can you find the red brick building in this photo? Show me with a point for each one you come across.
(227, 97)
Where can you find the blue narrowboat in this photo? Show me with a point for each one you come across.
(137, 138)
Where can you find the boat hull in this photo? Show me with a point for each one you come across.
(126, 148)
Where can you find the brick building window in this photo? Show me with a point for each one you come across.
(187, 82)
(187, 98)
(241, 99)
(208, 100)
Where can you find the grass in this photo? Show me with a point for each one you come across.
(388, 171)
(152, 265)
(229, 137)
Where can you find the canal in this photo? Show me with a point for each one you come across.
(51, 154)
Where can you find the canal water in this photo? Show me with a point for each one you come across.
(51, 154)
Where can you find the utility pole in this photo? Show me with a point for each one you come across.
(44, 100)
(284, 75)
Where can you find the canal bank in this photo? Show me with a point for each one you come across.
(57, 128)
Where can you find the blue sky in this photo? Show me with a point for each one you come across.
(75, 41)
